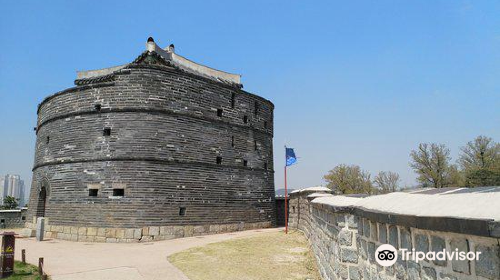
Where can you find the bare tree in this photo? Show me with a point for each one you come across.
(387, 181)
(349, 179)
(431, 163)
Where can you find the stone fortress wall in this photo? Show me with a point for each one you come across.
(344, 236)
(150, 150)
(13, 218)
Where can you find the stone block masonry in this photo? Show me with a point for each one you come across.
(144, 234)
(344, 239)
(15, 218)
(154, 144)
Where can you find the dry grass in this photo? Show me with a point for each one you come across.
(267, 256)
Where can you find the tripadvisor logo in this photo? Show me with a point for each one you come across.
(387, 255)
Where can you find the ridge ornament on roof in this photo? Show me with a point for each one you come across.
(155, 55)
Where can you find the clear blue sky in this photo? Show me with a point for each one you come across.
(356, 82)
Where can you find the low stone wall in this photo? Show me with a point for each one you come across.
(14, 218)
(145, 234)
(344, 240)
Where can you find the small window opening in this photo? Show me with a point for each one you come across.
(118, 192)
(265, 165)
(97, 107)
(265, 124)
(182, 211)
(47, 140)
(245, 163)
(219, 112)
(218, 160)
(293, 209)
(255, 147)
(106, 132)
(245, 119)
(93, 192)
(256, 108)
(23, 218)
(2, 221)
(233, 99)
(232, 141)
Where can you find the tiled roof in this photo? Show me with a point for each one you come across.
(154, 55)
(98, 79)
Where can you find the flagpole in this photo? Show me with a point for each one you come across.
(286, 201)
(286, 205)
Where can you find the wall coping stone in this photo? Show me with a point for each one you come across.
(311, 189)
(479, 227)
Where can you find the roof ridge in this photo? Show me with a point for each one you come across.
(154, 55)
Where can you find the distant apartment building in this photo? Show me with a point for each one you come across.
(12, 185)
(2, 187)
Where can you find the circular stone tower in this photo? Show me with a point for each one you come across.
(158, 148)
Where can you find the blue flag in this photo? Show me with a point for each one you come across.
(290, 156)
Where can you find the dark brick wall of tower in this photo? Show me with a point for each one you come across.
(166, 135)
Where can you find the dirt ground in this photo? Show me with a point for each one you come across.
(67, 260)
(272, 255)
